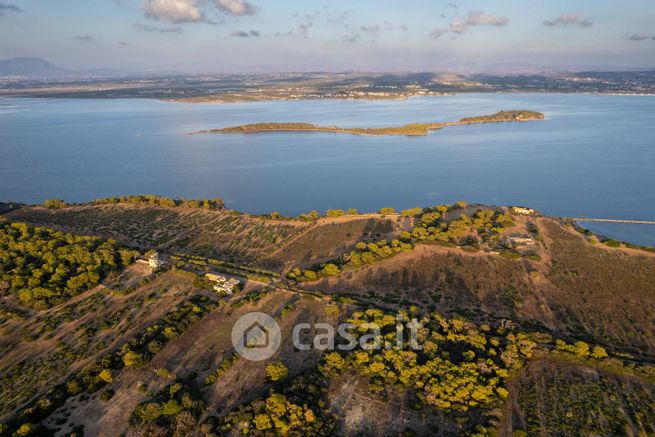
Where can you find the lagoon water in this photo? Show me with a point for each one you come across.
(593, 156)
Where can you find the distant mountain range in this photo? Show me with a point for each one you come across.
(40, 68)
(30, 67)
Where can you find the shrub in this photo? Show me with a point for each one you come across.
(106, 376)
(107, 395)
(510, 255)
(276, 372)
(54, 204)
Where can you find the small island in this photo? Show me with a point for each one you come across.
(412, 129)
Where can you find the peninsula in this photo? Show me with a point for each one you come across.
(101, 302)
(412, 129)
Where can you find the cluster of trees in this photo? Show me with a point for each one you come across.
(364, 253)
(269, 127)
(581, 349)
(340, 212)
(276, 372)
(411, 212)
(503, 116)
(44, 267)
(433, 226)
(172, 411)
(55, 204)
(456, 365)
(295, 408)
(152, 199)
(408, 129)
(314, 215)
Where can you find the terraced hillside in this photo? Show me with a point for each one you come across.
(222, 234)
(527, 327)
(578, 289)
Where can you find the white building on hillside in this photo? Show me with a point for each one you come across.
(155, 261)
(522, 210)
(221, 283)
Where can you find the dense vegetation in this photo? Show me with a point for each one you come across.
(485, 224)
(364, 253)
(42, 267)
(457, 368)
(296, 408)
(431, 225)
(453, 366)
(173, 411)
(409, 129)
(151, 199)
(504, 116)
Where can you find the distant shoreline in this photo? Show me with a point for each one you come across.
(412, 129)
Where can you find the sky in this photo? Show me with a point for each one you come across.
(330, 35)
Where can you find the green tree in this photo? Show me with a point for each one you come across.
(412, 212)
(276, 372)
(335, 213)
(133, 359)
(442, 209)
(331, 270)
(54, 204)
(106, 376)
(262, 422)
(598, 352)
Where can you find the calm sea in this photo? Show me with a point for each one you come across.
(594, 155)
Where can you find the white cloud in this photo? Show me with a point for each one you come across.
(190, 11)
(177, 11)
(236, 7)
(481, 18)
(473, 18)
(571, 19)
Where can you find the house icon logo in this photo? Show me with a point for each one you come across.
(256, 336)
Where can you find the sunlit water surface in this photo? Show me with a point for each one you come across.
(594, 155)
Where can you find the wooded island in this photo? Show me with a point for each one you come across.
(412, 129)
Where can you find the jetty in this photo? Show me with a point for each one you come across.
(603, 220)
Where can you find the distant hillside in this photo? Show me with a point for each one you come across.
(29, 67)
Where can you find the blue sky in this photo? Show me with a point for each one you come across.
(329, 35)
